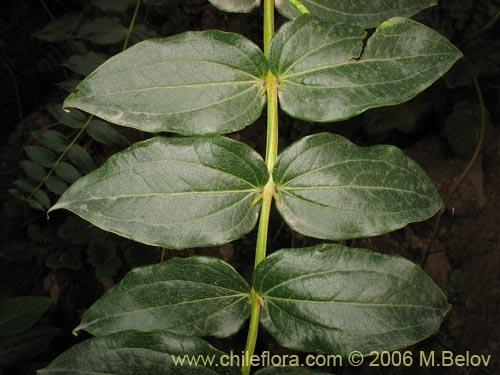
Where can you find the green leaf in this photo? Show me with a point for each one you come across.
(192, 83)
(33, 170)
(59, 29)
(103, 30)
(463, 127)
(69, 85)
(41, 155)
(104, 133)
(335, 299)
(141, 32)
(102, 255)
(25, 185)
(81, 158)
(19, 348)
(235, 6)
(364, 13)
(56, 185)
(73, 119)
(198, 296)
(325, 75)
(51, 139)
(20, 313)
(134, 352)
(114, 5)
(177, 193)
(288, 371)
(330, 188)
(67, 172)
(42, 198)
(86, 63)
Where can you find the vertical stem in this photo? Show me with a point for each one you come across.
(268, 25)
(271, 86)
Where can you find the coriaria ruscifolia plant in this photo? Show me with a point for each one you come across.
(207, 190)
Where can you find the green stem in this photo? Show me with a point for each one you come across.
(90, 118)
(299, 6)
(61, 157)
(268, 25)
(131, 26)
(271, 86)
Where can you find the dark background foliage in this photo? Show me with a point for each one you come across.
(47, 45)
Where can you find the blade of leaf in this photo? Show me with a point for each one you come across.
(104, 133)
(192, 83)
(41, 155)
(20, 313)
(364, 13)
(325, 75)
(330, 188)
(335, 299)
(198, 296)
(103, 30)
(134, 352)
(236, 6)
(176, 193)
(19, 348)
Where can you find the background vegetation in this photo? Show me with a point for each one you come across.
(46, 47)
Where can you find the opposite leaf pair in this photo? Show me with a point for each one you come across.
(212, 82)
(326, 298)
(204, 191)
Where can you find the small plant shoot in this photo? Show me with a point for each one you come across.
(205, 189)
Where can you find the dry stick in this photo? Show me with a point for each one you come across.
(464, 174)
(89, 119)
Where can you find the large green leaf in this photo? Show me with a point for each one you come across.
(198, 296)
(330, 188)
(335, 299)
(325, 75)
(237, 6)
(360, 12)
(20, 313)
(192, 83)
(135, 352)
(177, 193)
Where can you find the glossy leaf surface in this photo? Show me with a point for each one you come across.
(325, 75)
(20, 313)
(335, 299)
(198, 296)
(236, 6)
(192, 83)
(135, 352)
(360, 12)
(176, 193)
(330, 188)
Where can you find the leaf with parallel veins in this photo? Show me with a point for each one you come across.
(325, 75)
(198, 296)
(330, 188)
(173, 192)
(192, 83)
(335, 299)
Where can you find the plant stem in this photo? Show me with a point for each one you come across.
(61, 157)
(299, 6)
(132, 24)
(268, 25)
(271, 86)
(90, 118)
